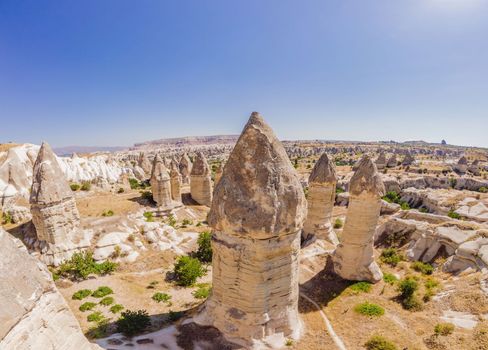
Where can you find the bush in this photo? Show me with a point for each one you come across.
(133, 322)
(407, 288)
(389, 278)
(87, 306)
(82, 264)
(186, 222)
(100, 331)
(116, 308)
(102, 291)
(338, 223)
(159, 297)
(171, 220)
(390, 256)
(147, 195)
(443, 329)
(97, 316)
(134, 184)
(453, 215)
(81, 294)
(363, 286)
(74, 187)
(107, 301)
(369, 309)
(187, 270)
(108, 213)
(86, 186)
(203, 291)
(483, 189)
(339, 190)
(379, 343)
(391, 197)
(204, 252)
(120, 190)
(424, 268)
(149, 216)
(7, 218)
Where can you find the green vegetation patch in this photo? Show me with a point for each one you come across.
(87, 306)
(187, 270)
(107, 301)
(369, 309)
(203, 291)
(378, 342)
(423, 268)
(390, 256)
(361, 287)
(161, 297)
(204, 252)
(81, 294)
(81, 265)
(443, 329)
(389, 278)
(102, 291)
(97, 316)
(116, 308)
(133, 322)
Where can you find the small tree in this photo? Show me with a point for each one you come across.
(204, 252)
(187, 270)
(133, 322)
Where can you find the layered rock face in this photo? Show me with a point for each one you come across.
(321, 197)
(392, 162)
(257, 215)
(161, 185)
(175, 181)
(461, 166)
(53, 206)
(200, 181)
(353, 258)
(144, 164)
(381, 161)
(185, 169)
(218, 173)
(408, 160)
(33, 315)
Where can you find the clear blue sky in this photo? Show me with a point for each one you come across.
(115, 72)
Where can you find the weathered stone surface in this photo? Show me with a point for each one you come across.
(218, 173)
(408, 160)
(145, 164)
(353, 258)
(161, 185)
(381, 161)
(392, 161)
(185, 168)
(321, 197)
(257, 215)
(175, 178)
(33, 314)
(200, 181)
(53, 209)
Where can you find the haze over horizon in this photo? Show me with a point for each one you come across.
(111, 73)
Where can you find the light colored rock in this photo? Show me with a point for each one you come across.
(353, 258)
(200, 181)
(257, 215)
(175, 179)
(33, 315)
(392, 161)
(145, 164)
(408, 159)
(321, 197)
(161, 185)
(381, 161)
(185, 168)
(218, 173)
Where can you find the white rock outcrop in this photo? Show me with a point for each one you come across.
(257, 216)
(200, 181)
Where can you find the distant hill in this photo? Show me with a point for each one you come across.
(189, 140)
(69, 150)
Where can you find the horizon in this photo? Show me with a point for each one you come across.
(111, 74)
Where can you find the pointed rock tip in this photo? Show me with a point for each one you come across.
(323, 171)
(366, 178)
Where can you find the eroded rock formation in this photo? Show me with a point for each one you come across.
(321, 197)
(200, 181)
(257, 215)
(353, 258)
(175, 181)
(161, 185)
(34, 315)
(185, 169)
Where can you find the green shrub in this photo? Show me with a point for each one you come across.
(379, 343)
(423, 210)
(338, 223)
(116, 308)
(174, 316)
(97, 316)
(133, 322)
(289, 342)
(404, 206)
(204, 252)
(82, 264)
(108, 213)
(424, 268)
(161, 297)
(391, 197)
(74, 187)
(483, 189)
(339, 190)
(452, 182)
(147, 195)
(149, 216)
(187, 270)
(87, 306)
(100, 330)
(453, 215)
(107, 301)
(407, 288)
(369, 309)
(186, 222)
(120, 190)
(171, 220)
(102, 291)
(389, 278)
(443, 329)
(390, 256)
(363, 286)
(81, 294)
(85, 186)
(7, 218)
(203, 291)
(431, 283)
(134, 184)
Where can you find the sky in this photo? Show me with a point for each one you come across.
(117, 72)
